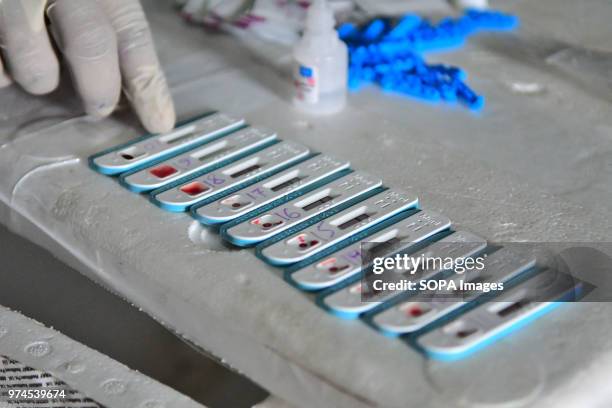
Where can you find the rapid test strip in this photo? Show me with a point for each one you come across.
(410, 315)
(348, 261)
(497, 318)
(338, 227)
(181, 195)
(202, 157)
(357, 297)
(148, 149)
(285, 216)
(260, 194)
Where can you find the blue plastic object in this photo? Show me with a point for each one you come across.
(390, 55)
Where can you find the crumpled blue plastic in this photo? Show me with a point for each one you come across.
(390, 54)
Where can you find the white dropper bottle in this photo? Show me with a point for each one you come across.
(320, 64)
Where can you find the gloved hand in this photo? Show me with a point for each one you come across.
(105, 43)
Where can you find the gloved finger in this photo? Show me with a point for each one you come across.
(143, 79)
(26, 45)
(5, 80)
(87, 40)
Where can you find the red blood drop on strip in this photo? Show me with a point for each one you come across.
(194, 189)
(163, 171)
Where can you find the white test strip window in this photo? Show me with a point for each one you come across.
(155, 147)
(257, 164)
(199, 158)
(414, 314)
(348, 261)
(338, 227)
(357, 298)
(250, 198)
(303, 208)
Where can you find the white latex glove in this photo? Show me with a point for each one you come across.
(105, 43)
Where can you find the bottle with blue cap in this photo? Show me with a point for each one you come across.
(320, 64)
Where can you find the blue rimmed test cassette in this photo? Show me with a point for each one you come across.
(337, 228)
(203, 157)
(152, 148)
(181, 195)
(408, 315)
(491, 321)
(253, 197)
(337, 194)
(357, 297)
(348, 262)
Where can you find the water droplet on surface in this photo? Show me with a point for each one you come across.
(38, 349)
(202, 236)
(114, 387)
(74, 367)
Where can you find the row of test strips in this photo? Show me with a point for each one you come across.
(313, 215)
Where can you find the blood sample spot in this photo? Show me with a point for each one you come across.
(163, 171)
(462, 334)
(194, 189)
(131, 153)
(236, 202)
(415, 311)
(314, 242)
(303, 245)
(267, 225)
(337, 268)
